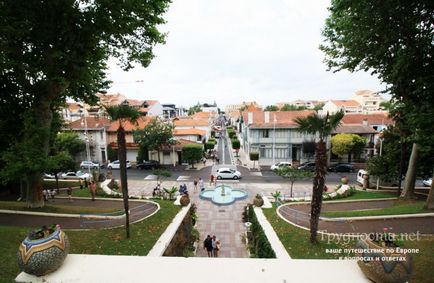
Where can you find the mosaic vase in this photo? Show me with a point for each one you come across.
(43, 256)
(383, 267)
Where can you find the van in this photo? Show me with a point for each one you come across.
(360, 176)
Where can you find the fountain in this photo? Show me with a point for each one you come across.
(223, 194)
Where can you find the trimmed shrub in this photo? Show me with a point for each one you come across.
(259, 245)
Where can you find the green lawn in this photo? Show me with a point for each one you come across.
(62, 184)
(109, 242)
(400, 207)
(296, 242)
(55, 208)
(369, 195)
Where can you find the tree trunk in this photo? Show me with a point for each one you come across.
(123, 173)
(292, 185)
(318, 187)
(35, 196)
(429, 204)
(410, 177)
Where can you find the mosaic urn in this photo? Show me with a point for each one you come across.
(42, 256)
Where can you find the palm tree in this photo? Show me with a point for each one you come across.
(321, 126)
(123, 113)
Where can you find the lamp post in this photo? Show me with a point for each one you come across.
(381, 150)
(274, 138)
(86, 134)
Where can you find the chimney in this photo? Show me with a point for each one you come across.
(365, 122)
(266, 117)
(249, 118)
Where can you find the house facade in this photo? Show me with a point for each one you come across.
(274, 135)
(369, 100)
(92, 130)
(348, 106)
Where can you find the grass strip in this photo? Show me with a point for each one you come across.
(398, 208)
(58, 208)
(108, 242)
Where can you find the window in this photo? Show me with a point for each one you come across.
(265, 133)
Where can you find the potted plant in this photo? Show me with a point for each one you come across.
(382, 261)
(43, 250)
(184, 200)
(258, 201)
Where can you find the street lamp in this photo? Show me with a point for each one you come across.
(86, 139)
(381, 151)
(274, 138)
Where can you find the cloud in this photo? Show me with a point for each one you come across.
(230, 51)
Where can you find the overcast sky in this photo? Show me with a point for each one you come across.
(240, 50)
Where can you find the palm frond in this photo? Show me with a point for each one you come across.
(316, 124)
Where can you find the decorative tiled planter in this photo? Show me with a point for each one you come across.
(378, 268)
(43, 256)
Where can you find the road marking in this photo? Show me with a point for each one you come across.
(256, 173)
(183, 178)
(151, 177)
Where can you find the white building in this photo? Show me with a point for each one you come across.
(274, 135)
(348, 106)
(369, 100)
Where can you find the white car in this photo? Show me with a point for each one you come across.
(117, 165)
(89, 164)
(280, 165)
(227, 173)
(75, 175)
(427, 182)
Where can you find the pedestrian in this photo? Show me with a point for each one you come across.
(204, 161)
(195, 184)
(211, 180)
(93, 189)
(86, 183)
(217, 160)
(207, 244)
(217, 248)
(214, 245)
(81, 184)
(69, 192)
(201, 186)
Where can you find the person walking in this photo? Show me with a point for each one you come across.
(211, 180)
(69, 192)
(81, 184)
(201, 186)
(195, 184)
(207, 244)
(214, 245)
(217, 248)
(92, 188)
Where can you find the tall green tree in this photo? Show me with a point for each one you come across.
(154, 135)
(123, 114)
(348, 144)
(321, 127)
(69, 142)
(293, 175)
(52, 50)
(192, 153)
(271, 108)
(392, 40)
(194, 109)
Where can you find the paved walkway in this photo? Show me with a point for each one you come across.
(138, 210)
(299, 214)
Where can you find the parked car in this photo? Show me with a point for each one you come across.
(308, 166)
(48, 176)
(117, 165)
(427, 182)
(75, 175)
(341, 167)
(89, 164)
(227, 173)
(150, 164)
(280, 165)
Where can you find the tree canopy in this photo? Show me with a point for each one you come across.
(348, 143)
(271, 108)
(154, 135)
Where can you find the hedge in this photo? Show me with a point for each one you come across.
(259, 245)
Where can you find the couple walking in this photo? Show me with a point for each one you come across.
(212, 246)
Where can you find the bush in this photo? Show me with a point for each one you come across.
(254, 156)
(259, 245)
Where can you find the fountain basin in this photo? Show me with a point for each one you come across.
(223, 195)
